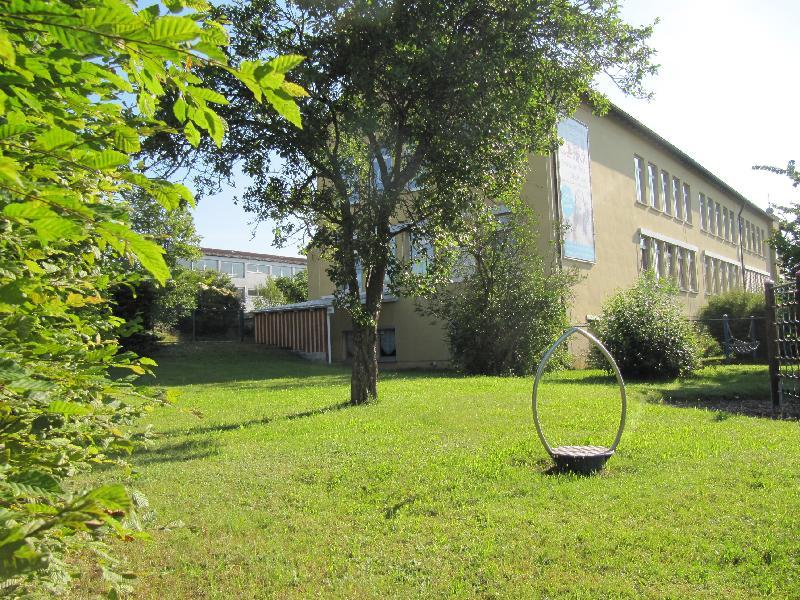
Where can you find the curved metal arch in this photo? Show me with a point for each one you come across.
(540, 371)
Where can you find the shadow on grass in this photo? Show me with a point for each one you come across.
(224, 427)
(176, 452)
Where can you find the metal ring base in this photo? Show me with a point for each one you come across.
(580, 459)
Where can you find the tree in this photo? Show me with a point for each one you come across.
(786, 240)
(295, 288)
(175, 232)
(80, 82)
(413, 105)
(508, 304)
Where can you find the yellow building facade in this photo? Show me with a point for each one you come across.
(615, 200)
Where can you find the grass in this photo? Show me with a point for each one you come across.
(442, 489)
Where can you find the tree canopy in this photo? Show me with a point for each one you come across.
(786, 240)
(418, 112)
(80, 84)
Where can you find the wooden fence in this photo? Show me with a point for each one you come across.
(303, 330)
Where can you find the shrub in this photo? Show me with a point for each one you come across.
(739, 306)
(508, 307)
(645, 331)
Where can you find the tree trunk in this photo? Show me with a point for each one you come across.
(364, 378)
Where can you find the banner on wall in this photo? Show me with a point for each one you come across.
(575, 191)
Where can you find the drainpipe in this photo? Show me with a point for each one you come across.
(741, 247)
(329, 312)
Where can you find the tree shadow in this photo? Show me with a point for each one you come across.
(185, 451)
(224, 427)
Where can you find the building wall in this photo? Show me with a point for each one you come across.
(248, 272)
(620, 225)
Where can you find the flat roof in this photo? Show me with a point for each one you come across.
(253, 256)
(641, 127)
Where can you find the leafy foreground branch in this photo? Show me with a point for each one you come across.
(80, 83)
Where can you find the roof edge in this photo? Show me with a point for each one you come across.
(637, 124)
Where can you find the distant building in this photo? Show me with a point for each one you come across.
(248, 270)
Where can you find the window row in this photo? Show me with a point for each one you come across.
(661, 191)
(236, 269)
(669, 261)
(721, 221)
(755, 238)
(721, 276)
(754, 281)
(718, 220)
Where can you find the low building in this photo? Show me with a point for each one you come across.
(248, 270)
(630, 201)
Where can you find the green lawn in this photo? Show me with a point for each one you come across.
(442, 489)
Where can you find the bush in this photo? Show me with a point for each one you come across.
(739, 306)
(646, 332)
(508, 307)
(218, 307)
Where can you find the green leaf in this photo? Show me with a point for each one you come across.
(69, 409)
(9, 170)
(9, 130)
(174, 29)
(55, 138)
(33, 483)
(285, 106)
(112, 497)
(147, 252)
(284, 63)
(28, 210)
(106, 159)
(127, 140)
(57, 228)
(294, 90)
(207, 95)
(7, 53)
(191, 133)
(179, 110)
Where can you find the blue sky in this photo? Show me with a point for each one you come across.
(725, 94)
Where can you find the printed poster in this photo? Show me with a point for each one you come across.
(575, 191)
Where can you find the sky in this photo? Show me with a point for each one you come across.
(726, 93)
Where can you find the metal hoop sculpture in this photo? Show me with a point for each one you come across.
(582, 459)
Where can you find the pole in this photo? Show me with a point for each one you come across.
(773, 350)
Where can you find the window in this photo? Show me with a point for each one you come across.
(421, 255)
(708, 279)
(206, 264)
(652, 185)
(665, 192)
(734, 229)
(703, 216)
(638, 174)
(712, 220)
(668, 260)
(252, 268)
(282, 271)
(747, 238)
(687, 203)
(386, 346)
(387, 350)
(719, 219)
(235, 269)
(726, 223)
(758, 241)
(676, 197)
(252, 292)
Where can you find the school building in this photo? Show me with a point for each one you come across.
(629, 201)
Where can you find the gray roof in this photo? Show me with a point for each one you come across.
(295, 260)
